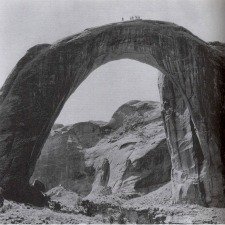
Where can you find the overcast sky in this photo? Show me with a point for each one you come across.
(25, 23)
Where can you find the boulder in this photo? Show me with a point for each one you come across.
(39, 185)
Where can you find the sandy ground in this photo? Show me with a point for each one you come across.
(19, 213)
(177, 213)
(158, 201)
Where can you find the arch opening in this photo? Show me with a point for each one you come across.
(109, 87)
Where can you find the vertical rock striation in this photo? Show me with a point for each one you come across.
(185, 150)
(189, 165)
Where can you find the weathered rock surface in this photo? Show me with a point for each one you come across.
(62, 159)
(47, 75)
(153, 208)
(128, 155)
(67, 199)
(186, 153)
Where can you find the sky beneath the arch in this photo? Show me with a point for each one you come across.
(25, 23)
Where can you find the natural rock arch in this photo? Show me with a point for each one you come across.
(42, 81)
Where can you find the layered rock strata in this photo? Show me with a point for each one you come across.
(127, 156)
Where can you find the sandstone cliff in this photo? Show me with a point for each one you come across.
(128, 155)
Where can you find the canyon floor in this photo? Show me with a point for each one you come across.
(155, 207)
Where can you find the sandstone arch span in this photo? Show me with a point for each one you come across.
(36, 90)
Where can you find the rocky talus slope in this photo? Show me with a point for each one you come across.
(127, 155)
(155, 207)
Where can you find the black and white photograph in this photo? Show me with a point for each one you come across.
(112, 112)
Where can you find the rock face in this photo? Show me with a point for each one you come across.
(127, 156)
(36, 90)
(189, 164)
(62, 159)
(183, 144)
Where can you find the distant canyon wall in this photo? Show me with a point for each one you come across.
(127, 156)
